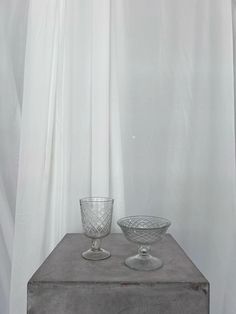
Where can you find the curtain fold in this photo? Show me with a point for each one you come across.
(99, 93)
(39, 222)
(66, 108)
(119, 98)
(229, 304)
(12, 53)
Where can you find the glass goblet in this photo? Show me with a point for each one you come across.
(96, 215)
(144, 231)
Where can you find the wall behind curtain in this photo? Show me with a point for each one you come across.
(129, 98)
(13, 18)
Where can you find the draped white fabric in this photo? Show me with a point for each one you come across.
(13, 17)
(128, 98)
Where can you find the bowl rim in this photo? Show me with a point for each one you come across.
(167, 222)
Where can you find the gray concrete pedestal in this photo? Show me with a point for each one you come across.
(68, 284)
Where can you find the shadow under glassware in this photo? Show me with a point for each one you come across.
(144, 231)
(96, 215)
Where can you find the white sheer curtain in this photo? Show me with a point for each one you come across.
(129, 98)
(65, 133)
(13, 18)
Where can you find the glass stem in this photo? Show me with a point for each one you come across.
(96, 244)
(144, 250)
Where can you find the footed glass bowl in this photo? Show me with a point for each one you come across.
(144, 231)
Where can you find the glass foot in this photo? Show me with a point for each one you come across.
(96, 255)
(139, 262)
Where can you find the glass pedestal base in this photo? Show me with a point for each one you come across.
(147, 262)
(96, 255)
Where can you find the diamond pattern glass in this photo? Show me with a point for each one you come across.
(96, 215)
(144, 231)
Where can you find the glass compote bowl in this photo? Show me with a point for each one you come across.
(96, 215)
(144, 231)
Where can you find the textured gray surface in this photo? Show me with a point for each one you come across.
(66, 283)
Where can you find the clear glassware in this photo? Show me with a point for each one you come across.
(96, 215)
(144, 231)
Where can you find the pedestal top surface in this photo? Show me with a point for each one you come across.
(66, 265)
